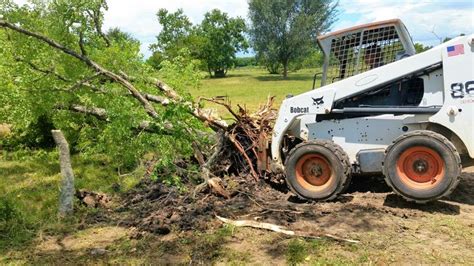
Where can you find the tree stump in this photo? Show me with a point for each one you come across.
(66, 197)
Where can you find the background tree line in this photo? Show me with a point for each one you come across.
(282, 34)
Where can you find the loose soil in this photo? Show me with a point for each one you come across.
(162, 225)
(403, 231)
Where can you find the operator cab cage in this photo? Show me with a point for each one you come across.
(358, 49)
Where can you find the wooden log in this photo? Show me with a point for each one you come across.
(66, 197)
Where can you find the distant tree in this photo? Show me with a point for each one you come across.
(176, 34)
(224, 37)
(421, 48)
(283, 32)
(214, 42)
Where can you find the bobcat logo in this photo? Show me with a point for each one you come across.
(317, 101)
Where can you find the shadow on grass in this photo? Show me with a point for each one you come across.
(296, 77)
(233, 75)
(13, 170)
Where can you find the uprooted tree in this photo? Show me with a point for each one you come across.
(60, 70)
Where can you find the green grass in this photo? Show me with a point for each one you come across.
(29, 192)
(250, 87)
(316, 252)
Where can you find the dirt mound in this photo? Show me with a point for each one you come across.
(156, 208)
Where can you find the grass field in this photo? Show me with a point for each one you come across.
(250, 87)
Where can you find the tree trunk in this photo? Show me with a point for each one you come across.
(66, 197)
(219, 73)
(285, 69)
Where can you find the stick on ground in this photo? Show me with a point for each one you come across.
(280, 229)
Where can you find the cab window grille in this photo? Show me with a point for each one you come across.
(361, 51)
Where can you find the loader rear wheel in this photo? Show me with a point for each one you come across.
(422, 166)
(317, 170)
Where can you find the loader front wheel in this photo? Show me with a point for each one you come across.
(317, 170)
(422, 166)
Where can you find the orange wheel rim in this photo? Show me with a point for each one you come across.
(314, 172)
(420, 167)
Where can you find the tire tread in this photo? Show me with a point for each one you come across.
(438, 137)
(339, 153)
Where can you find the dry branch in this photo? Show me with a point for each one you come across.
(281, 229)
(258, 225)
(99, 113)
(173, 97)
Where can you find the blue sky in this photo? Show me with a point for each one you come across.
(422, 17)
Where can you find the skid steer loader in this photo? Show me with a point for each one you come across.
(382, 109)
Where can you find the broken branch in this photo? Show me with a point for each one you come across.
(280, 229)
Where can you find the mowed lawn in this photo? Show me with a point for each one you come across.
(250, 87)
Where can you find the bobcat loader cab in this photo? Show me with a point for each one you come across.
(381, 109)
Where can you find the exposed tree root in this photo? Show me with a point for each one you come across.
(211, 181)
(240, 154)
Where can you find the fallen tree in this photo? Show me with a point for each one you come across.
(238, 145)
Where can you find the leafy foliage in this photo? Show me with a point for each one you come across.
(421, 48)
(41, 84)
(283, 33)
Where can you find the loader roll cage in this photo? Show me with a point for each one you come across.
(358, 49)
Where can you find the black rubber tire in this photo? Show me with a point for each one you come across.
(335, 156)
(434, 141)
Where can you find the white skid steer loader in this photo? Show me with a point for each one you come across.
(382, 108)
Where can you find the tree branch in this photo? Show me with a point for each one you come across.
(101, 114)
(123, 80)
(95, 16)
(45, 71)
(150, 110)
(283, 230)
(81, 44)
(85, 82)
(174, 97)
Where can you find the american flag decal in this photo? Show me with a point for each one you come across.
(455, 50)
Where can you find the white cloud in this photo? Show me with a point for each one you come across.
(421, 17)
